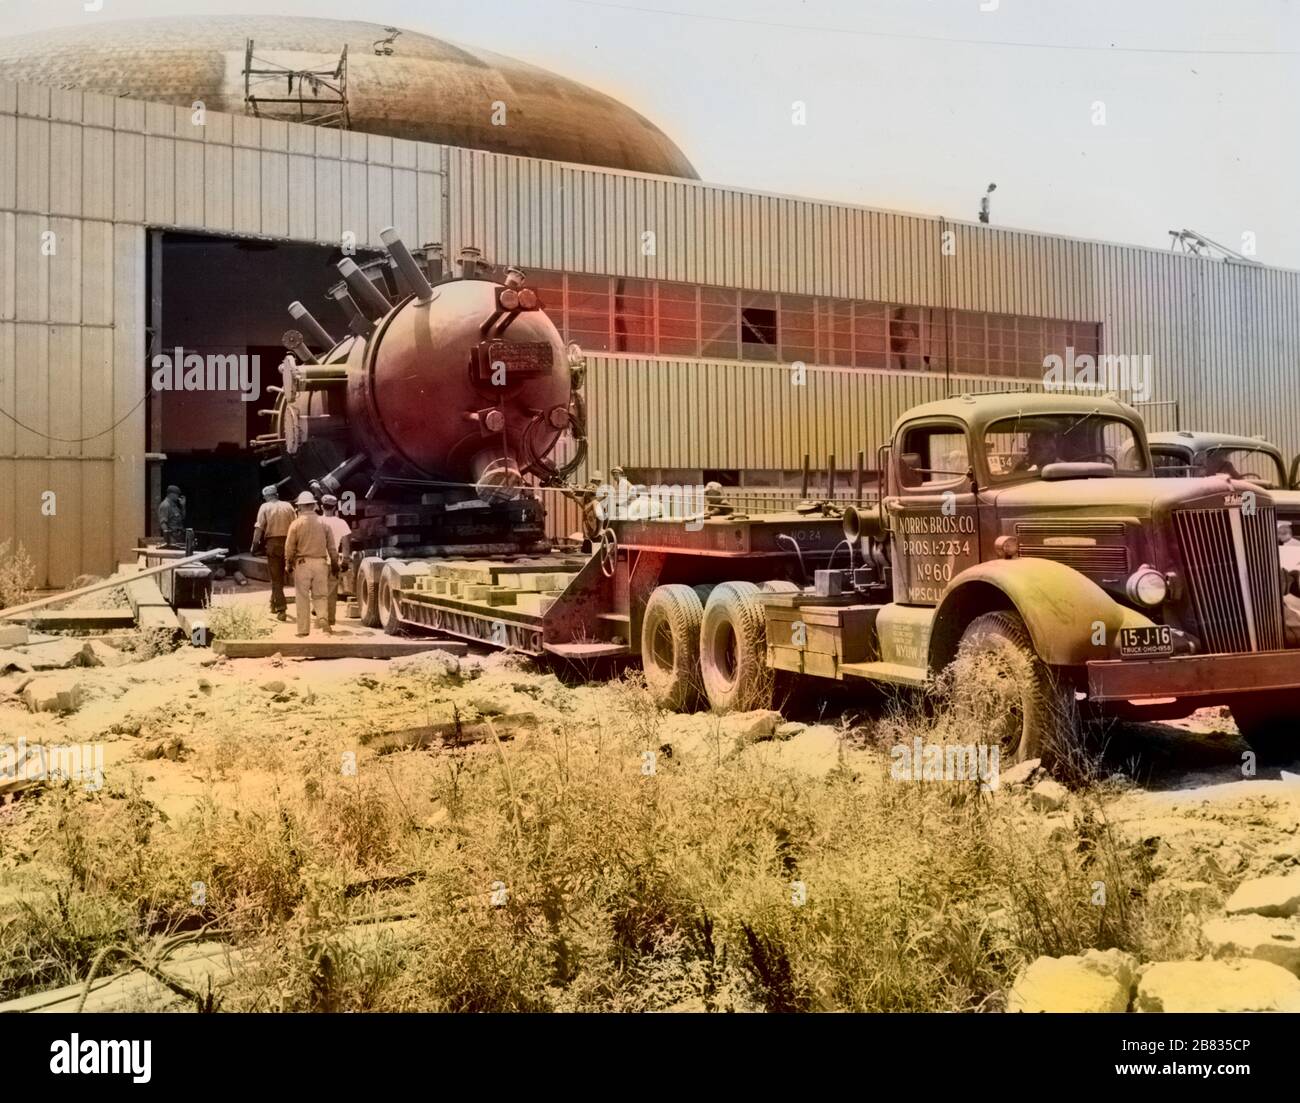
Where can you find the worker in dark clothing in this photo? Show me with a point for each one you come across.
(273, 520)
(171, 518)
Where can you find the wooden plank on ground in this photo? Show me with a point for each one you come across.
(378, 647)
(92, 619)
(192, 966)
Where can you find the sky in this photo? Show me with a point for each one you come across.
(1116, 120)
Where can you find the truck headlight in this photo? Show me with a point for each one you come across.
(1147, 586)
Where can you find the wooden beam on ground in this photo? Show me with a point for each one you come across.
(149, 606)
(325, 647)
(64, 619)
(109, 583)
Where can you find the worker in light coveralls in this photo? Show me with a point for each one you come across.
(341, 532)
(310, 547)
(272, 526)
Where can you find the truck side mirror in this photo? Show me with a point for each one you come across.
(1293, 477)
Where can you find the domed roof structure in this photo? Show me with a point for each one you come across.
(424, 89)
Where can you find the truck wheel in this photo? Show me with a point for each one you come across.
(779, 586)
(368, 591)
(1012, 692)
(670, 647)
(733, 650)
(390, 581)
(1268, 722)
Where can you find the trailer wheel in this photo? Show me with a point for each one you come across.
(1268, 723)
(779, 586)
(670, 647)
(1001, 686)
(733, 650)
(390, 581)
(368, 591)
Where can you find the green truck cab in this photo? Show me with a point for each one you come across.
(1032, 530)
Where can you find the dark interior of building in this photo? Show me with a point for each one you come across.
(224, 297)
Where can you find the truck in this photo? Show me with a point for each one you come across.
(1198, 452)
(1029, 532)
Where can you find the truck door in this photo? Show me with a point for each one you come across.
(933, 514)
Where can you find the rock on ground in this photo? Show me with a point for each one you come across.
(1094, 981)
(1200, 986)
(1278, 896)
(1265, 938)
(750, 727)
(54, 693)
(98, 653)
(1022, 773)
(1048, 796)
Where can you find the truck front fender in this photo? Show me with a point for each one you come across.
(1062, 609)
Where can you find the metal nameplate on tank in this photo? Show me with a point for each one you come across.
(519, 358)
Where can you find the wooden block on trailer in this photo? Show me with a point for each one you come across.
(535, 605)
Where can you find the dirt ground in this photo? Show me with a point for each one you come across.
(188, 726)
(188, 720)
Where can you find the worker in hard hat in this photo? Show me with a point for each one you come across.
(341, 535)
(171, 518)
(273, 520)
(309, 547)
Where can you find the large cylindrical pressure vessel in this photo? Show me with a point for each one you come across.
(464, 385)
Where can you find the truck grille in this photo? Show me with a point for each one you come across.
(1234, 577)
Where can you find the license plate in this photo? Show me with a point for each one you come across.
(1158, 639)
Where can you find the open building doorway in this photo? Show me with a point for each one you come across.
(224, 301)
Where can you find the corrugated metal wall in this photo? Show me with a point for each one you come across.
(1225, 339)
(98, 172)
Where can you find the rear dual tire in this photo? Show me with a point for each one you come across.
(706, 644)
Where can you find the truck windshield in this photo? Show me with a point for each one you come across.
(1252, 464)
(1020, 447)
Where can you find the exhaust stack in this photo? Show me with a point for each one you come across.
(312, 328)
(409, 274)
(368, 297)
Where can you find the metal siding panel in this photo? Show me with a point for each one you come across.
(404, 214)
(428, 201)
(160, 181)
(8, 395)
(302, 198)
(65, 169)
(218, 187)
(379, 200)
(8, 161)
(329, 200)
(96, 386)
(33, 154)
(275, 194)
(31, 407)
(189, 183)
(96, 173)
(247, 211)
(356, 214)
(128, 386)
(128, 177)
(65, 421)
(8, 266)
(31, 270)
(65, 271)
